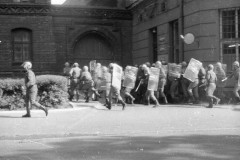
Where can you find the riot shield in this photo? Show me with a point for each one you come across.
(191, 72)
(153, 79)
(130, 75)
(117, 76)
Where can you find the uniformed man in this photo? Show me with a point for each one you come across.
(127, 91)
(149, 93)
(66, 69)
(31, 90)
(235, 75)
(211, 80)
(141, 86)
(221, 75)
(75, 74)
(193, 86)
(162, 82)
(66, 73)
(173, 82)
(184, 82)
(87, 84)
(106, 80)
(114, 92)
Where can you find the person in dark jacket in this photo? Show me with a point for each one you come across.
(31, 90)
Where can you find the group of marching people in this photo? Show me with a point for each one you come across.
(170, 89)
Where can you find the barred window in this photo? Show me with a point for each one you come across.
(22, 44)
(230, 35)
(228, 20)
(23, 1)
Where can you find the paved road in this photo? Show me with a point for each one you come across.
(90, 131)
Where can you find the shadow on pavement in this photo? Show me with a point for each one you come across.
(201, 147)
(1, 116)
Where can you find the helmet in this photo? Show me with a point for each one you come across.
(104, 69)
(236, 63)
(27, 65)
(67, 64)
(210, 67)
(75, 64)
(184, 64)
(158, 64)
(85, 68)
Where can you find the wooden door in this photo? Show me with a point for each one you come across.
(93, 47)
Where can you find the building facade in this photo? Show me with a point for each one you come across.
(49, 35)
(122, 31)
(158, 24)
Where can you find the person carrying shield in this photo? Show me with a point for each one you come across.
(114, 91)
(127, 90)
(162, 82)
(149, 93)
(193, 86)
(86, 84)
(184, 82)
(106, 80)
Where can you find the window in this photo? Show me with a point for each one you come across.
(153, 57)
(230, 35)
(22, 45)
(23, 1)
(174, 42)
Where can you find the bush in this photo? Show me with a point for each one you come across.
(52, 91)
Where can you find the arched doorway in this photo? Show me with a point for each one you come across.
(92, 46)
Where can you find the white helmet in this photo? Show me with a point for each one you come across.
(236, 63)
(27, 65)
(85, 68)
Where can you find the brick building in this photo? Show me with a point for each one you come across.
(124, 31)
(49, 35)
(158, 24)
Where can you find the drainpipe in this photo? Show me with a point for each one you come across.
(181, 19)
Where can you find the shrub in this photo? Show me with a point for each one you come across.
(52, 91)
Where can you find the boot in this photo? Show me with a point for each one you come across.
(148, 102)
(165, 100)
(109, 106)
(70, 97)
(156, 104)
(87, 99)
(26, 115)
(45, 109)
(197, 101)
(210, 103)
(106, 102)
(132, 99)
(191, 99)
(217, 101)
(123, 104)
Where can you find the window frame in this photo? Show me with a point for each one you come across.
(23, 1)
(230, 41)
(30, 43)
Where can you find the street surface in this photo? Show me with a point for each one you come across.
(89, 131)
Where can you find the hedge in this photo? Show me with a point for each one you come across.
(52, 91)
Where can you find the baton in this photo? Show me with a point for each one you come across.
(202, 85)
(224, 79)
(138, 85)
